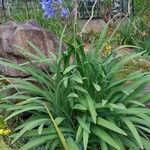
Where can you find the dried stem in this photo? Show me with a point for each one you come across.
(92, 13)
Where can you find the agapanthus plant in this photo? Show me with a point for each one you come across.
(52, 8)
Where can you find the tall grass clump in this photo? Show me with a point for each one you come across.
(75, 101)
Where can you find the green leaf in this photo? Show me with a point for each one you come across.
(59, 120)
(119, 140)
(145, 98)
(66, 82)
(5, 106)
(72, 144)
(79, 88)
(124, 61)
(145, 117)
(61, 42)
(129, 143)
(91, 108)
(79, 107)
(117, 106)
(136, 87)
(32, 124)
(68, 69)
(73, 95)
(132, 76)
(97, 87)
(139, 121)
(12, 65)
(85, 137)
(24, 110)
(137, 103)
(103, 145)
(104, 102)
(109, 125)
(133, 130)
(79, 134)
(83, 125)
(77, 79)
(102, 134)
(146, 143)
(46, 131)
(134, 111)
(61, 136)
(38, 141)
(101, 40)
(40, 129)
(54, 144)
(47, 145)
(81, 49)
(18, 95)
(40, 53)
(2, 122)
(143, 128)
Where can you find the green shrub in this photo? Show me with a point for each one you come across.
(134, 33)
(76, 101)
(145, 45)
(128, 32)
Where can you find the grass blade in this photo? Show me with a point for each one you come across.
(133, 130)
(62, 138)
(91, 108)
(102, 134)
(109, 125)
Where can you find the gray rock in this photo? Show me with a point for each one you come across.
(19, 34)
(95, 25)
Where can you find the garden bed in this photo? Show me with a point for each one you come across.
(92, 91)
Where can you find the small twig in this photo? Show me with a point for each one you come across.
(75, 11)
(92, 13)
(119, 14)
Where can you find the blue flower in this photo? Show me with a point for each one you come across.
(64, 12)
(50, 12)
(46, 3)
(53, 7)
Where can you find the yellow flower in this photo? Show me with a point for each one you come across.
(1, 131)
(107, 48)
(5, 131)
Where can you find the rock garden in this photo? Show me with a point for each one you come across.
(74, 75)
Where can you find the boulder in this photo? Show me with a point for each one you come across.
(95, 25)
(19, 34)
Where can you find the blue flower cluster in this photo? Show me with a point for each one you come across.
(53, 7)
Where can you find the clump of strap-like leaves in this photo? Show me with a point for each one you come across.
(77, 102)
